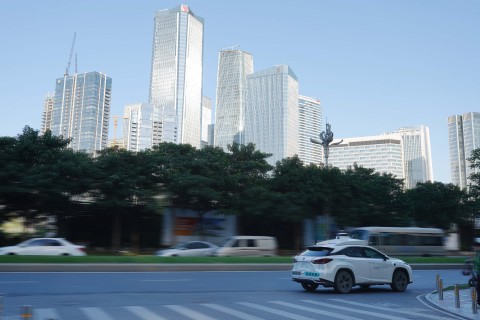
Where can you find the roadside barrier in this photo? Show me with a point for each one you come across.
(439, 287)
(474, 301)
(457, 296)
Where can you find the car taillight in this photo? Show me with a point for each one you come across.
(322, 261)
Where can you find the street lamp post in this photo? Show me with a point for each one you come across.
(326, 138)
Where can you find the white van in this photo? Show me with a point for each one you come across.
(261, 246)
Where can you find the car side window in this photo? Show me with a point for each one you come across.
(201, 245)
(37, 243)
(251, 243)
(370, 253)
(355, 252)
(52, 243)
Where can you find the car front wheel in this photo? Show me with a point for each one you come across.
(399, 281)
(343, 282)
(310, 287)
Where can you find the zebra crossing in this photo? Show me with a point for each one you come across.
(297, 310)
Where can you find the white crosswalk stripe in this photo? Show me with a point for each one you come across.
(192, 314)
(427, 316)
(356, 310)
(144, 313)
(95, 314)
(285, 314)
(45, 314)
(232, 312)
(317, 311)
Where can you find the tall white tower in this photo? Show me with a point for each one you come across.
(176, 76)
(233, 68)
(310, 126)
(271, 117)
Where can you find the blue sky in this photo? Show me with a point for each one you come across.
(376, 65)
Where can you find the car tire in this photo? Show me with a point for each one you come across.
(343, 282)
(310, 287)
(399, 281)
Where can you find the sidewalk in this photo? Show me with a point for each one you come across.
(448, 303)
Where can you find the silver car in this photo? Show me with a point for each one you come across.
(189, 249)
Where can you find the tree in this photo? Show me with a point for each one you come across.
(475, 177)
(434, 204)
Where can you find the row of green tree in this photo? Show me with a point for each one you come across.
(42, 179)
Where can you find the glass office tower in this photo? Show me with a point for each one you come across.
(271, 117)
(310, 126)
(463, 138)
(176, 74)
(233, 68)
(47, 113)
(81, 110)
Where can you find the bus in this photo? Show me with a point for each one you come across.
(403, 241)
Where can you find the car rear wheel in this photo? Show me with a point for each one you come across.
(310, 287)
(343, 282)
(399, 281)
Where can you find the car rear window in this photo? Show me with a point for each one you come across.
(316, 251)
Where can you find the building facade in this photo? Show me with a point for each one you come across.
(383, 153)
(310, 126)
(271, 115)
(138, 122)
(233, 68)
(47, 113)
(206, 119)
(81, 110)
(176, 73)
(463, 138)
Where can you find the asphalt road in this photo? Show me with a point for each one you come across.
(208, 295)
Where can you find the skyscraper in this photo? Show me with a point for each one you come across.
(138, 126)
(463, 138)
(310, 126)
(176, 74)
(206, 118)
(417, 159)
(81, 110)
(233, 68)
(271, 117)
(47, 113)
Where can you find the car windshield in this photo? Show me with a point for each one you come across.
(316, 252)
(224, 242)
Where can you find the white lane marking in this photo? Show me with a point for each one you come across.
(15, 282)
(192, 314)
(317, 311)
(45, 314)
(275, 311)
(95, 314)
(388, 309)
(232, 312)
(165, 280)
(144, 313)
(374, 314)
(419, 298)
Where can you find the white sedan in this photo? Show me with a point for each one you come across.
(189, 249)
(45, 247)
(345, 264)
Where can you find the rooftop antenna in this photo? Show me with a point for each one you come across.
(71, 53)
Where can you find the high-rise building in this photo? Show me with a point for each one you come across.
(233, 68)
(176, 74)
(138, 132)
(81, 110)
(310, 126)
(383, 153)
(463, 138)
(271, 115)
(206, 118)
(47, 113)
(417, 159)
(405, 153)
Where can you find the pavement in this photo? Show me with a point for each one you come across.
(461, 307)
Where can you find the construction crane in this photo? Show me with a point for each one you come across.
(71, 54)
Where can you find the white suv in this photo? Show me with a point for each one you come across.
(344, 263)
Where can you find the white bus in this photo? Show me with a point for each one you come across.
(403, 241)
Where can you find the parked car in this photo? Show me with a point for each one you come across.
(260, 246)
(45, 247)
(344, 263)
(189, 249)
